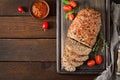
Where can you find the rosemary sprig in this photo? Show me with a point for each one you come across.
(100, 44)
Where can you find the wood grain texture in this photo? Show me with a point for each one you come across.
(26, 27)
(9, 7)
(27, 49)
(35, 71)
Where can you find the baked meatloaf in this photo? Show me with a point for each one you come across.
(81, 37)
(85, 27)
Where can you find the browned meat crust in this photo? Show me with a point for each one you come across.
(85, 27)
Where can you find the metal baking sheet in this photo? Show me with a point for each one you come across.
(62, 26)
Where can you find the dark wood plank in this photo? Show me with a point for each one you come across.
(27, 49)
(9, 7)
(26, 27)
(35, 71)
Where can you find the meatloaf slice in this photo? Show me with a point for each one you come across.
(85, 27)
(76, 47)
(67, 66)
(72, 56)
(72, 61)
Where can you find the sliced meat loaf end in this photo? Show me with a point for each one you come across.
(66, 65)
(76, 47)
(85, 27)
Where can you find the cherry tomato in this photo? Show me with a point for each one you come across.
(91, 63)
(67, 8)
(45, 25)
(72, 3)
(71, 17)
(20, 9)
(98, 59)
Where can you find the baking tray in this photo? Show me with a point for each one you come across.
(102, 6)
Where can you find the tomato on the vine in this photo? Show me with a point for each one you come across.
(71, 17)
(72, 3)
(67, 8)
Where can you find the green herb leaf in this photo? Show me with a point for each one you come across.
(100, 45)
(65, 1)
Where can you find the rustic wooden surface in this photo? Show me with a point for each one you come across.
(26, 51)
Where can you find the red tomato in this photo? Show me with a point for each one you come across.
(91, 63)
(67, 8)
(72, 3)
(98, 59)
(20, 9)
(45, 25)
(71, 17)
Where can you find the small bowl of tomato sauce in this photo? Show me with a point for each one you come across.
(40, 9)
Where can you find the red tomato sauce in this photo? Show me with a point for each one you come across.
(39, 9)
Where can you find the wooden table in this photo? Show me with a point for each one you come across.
(26, 51)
